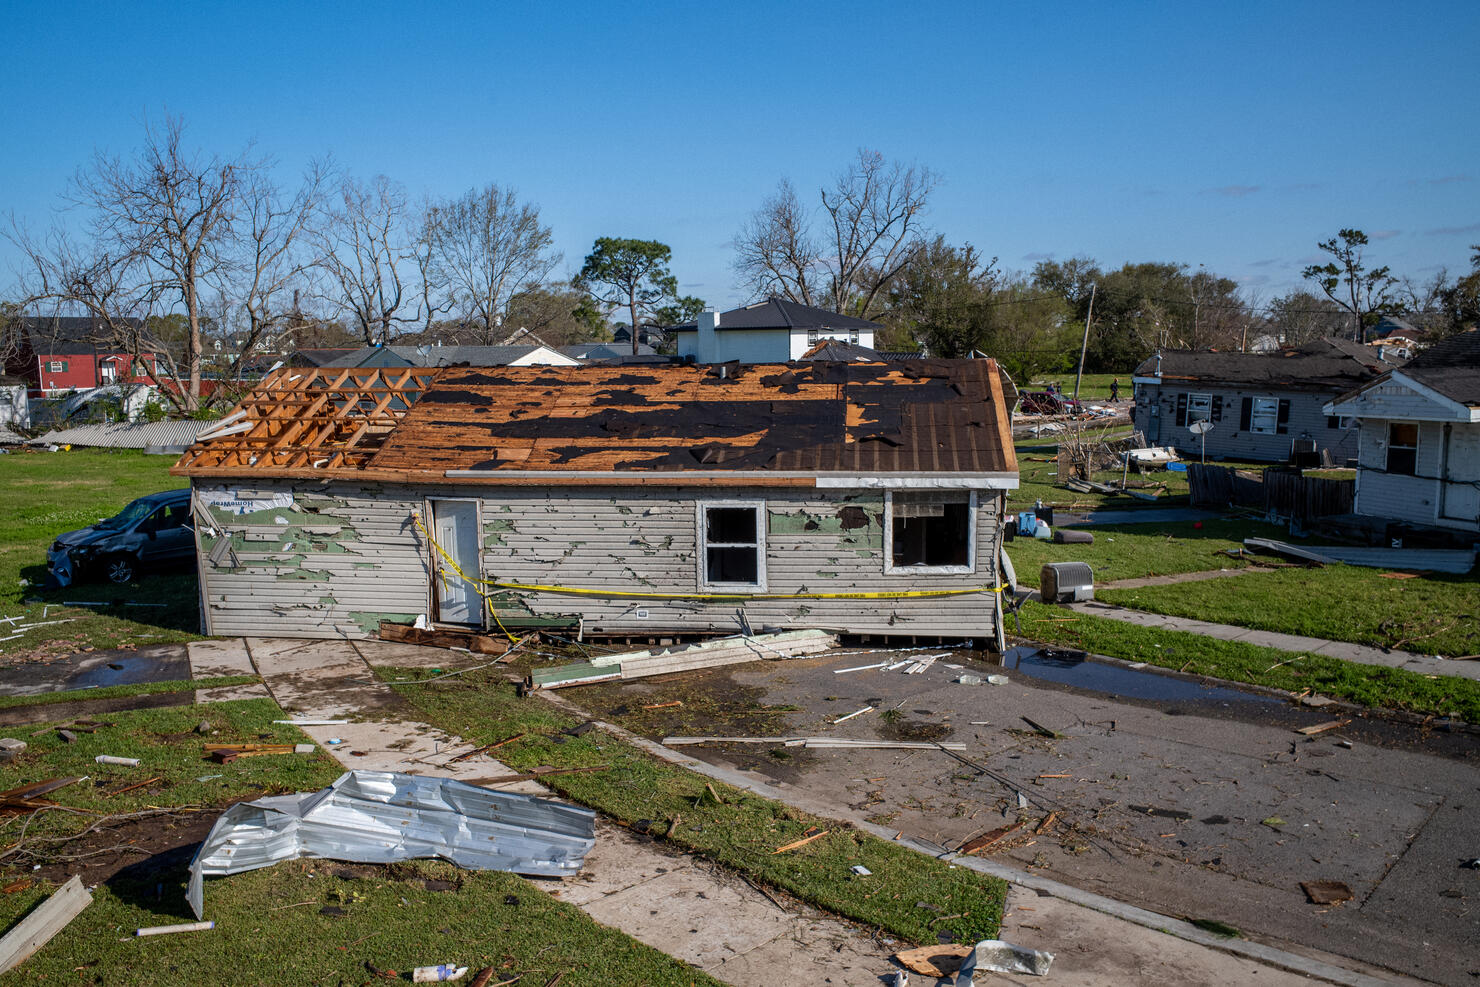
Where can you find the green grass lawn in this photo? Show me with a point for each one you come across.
(1433, 614)
(48, 493)
(1094, 387)
(1130, 551)
(739, 829)
(1368, 685)
(270, 928)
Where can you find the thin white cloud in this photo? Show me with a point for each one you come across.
(1384, 234)
(1234, 191)
(1036, 256)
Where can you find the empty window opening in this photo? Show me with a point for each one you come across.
(733, 546)
(931, 531)
(1402, 450)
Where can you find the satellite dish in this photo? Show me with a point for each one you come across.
(1199, 428)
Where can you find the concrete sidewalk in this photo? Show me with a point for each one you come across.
(1360, 653)
(674, 902)
(683, 905)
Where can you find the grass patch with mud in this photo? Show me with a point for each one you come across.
(724, 824)
(306, 921)
(1367, 685)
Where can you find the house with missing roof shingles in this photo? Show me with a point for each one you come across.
(1263, 407)
(1419, 458)
(641, 502)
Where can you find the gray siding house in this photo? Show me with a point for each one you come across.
(865, 498)
(1262, 406)
(1420, 437)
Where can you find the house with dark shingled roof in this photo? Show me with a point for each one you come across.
(617, 501)
(771, 331)
(1419, 458)
(1263, 407)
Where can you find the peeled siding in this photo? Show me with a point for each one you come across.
(331, 565)
(647, 541)
(346, 555)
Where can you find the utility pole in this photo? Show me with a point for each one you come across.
(1084, 345)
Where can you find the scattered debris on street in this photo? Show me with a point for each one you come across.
(683, 658)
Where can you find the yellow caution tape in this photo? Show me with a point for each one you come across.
(633, 595)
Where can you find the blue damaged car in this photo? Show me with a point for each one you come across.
(152, 532)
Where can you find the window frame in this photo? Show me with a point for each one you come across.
(56, 366)
(1208, 411)
(1273, 413)
(1388, 446)
(890, 569)
(702, 544)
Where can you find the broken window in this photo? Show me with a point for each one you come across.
(931, 531)
(1264, 416)
(1402, 449)
(1199, 408)
(732, 547)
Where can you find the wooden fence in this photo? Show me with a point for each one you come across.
(1279, 491)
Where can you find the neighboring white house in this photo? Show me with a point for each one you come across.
(1419, 446)
(772, 331)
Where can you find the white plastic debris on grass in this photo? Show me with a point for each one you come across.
(377, 817)
(996, 956)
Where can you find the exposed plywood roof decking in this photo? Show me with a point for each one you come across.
(315, 419)
(732, 423)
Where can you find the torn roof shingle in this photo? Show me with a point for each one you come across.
(1323, 365)
(925, 416)
(1451, 367)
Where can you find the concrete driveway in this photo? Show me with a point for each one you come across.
(1208, 805)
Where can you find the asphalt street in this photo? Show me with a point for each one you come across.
(1205, 805)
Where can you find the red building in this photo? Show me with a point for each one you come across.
(63, 354)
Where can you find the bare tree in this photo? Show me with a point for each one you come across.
(487, 246)
(873, 218)
(365, 250)
(119, 296)
(158, 224)
(267, 263)
(775, 250)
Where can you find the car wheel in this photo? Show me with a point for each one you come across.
(121, 568)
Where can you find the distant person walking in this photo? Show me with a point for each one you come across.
(1115, 389)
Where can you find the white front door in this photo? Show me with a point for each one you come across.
(455, 526)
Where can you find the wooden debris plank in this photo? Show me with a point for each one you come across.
(38, 928)
(801, 842)
(1311, 731)
(979, 843)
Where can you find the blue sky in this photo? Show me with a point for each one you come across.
(1235, 137)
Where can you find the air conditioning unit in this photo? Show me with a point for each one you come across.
(1066, 582)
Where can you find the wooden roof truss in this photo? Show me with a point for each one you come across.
(323, 418)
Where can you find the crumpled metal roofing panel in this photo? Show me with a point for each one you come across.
(384, 816)
(127, 435)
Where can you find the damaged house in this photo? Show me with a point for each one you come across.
(613, 501)
(1420, 428)
(1263, 407)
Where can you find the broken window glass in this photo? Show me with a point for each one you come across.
(732, 546)
(931, 529)
(1402, 451)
